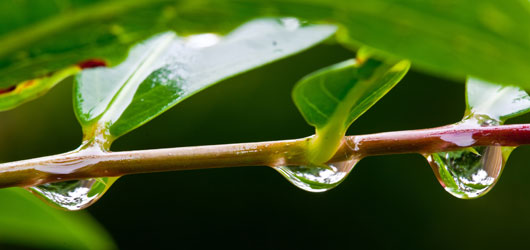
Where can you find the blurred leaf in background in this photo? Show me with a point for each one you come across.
(27, 221)
(487, 39)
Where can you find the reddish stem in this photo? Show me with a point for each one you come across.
(91, 163)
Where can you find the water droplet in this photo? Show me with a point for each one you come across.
(471, 172)
(75, 194)
(318, 178)
(202, 40)
(290, 23)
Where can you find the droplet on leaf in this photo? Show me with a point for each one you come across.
(319, 178)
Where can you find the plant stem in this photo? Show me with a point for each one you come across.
(88, 163)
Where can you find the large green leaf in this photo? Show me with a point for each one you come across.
(331, 99)
(41, 36)
(489, 39)
(167, 69)
(494, 100)
(27, 221)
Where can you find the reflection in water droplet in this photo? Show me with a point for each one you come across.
(471, 172)
(73, 195)
(318, 178)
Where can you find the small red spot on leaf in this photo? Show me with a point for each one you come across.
(27, 83)
(92, 63)
(7, 90)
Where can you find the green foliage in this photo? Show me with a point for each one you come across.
(488, 39)
(39, 37)
(43, 42)
(158, 74)
(332, 98)
(167, 69)
(495, 101)
(25, 220)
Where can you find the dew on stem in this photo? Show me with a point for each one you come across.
(318, 178)
(72, 195)
(470, 172)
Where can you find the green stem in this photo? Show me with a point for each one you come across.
(325, 143)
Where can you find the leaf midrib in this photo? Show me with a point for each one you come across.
(134, 80)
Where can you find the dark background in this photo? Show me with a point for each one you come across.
(387, 201)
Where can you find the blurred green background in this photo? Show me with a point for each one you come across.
(387, 202)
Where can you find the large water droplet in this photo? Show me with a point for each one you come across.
(75, 194)
(471, 172)
(318, 178)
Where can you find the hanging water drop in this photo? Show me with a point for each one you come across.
(319, 178)
(75, 194)
(471, 172)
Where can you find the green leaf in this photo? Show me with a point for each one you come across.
(27, 221)
(495, 101)
(489, 39)
(331, 99)
(167, 69)
(39, 37)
